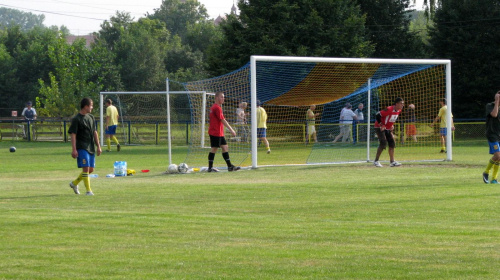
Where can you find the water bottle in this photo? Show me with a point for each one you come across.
(120, 168)
(93, 176)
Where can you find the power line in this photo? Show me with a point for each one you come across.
(54, 13)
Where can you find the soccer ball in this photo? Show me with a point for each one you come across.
(173, 169)
(12, 149)
(183, 168)
(411, 106)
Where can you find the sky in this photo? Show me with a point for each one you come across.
(85, 16)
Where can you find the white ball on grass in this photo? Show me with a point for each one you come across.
(172, 169)
(183, 168)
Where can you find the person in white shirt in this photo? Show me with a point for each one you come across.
(241, 121)
(347, 116)
(29, 113)
(361, 118)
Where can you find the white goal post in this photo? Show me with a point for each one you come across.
(166, 94)
(255, 59)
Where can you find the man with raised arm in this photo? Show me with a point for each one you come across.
(493, 136)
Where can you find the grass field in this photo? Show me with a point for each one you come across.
(419, 221)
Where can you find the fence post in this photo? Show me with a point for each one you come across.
(129, 133)
(28, 136)
(157, 134)
(64, 132)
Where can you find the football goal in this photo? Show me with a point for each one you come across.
(288, 86)
(160, 118)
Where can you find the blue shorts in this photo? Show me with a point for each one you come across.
(85, 159)
(261, 132)
(494, 147)
(111, 130)
(443, 131)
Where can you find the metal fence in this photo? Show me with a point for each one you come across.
(130, 132)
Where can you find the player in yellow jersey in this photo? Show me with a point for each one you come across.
(111, 124)
(443, 124)
(262, 125)
(311, 122)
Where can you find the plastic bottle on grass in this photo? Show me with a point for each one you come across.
(120, 168)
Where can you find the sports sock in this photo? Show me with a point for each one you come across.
(108, 142)
(494, 175)
(211, 157)
(490, 165)
(115, 139)
(226, 158)
(78, 180)
(86, 181)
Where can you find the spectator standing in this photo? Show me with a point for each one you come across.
(360, 118)
(347, 117)
(29, 113)
(311, 123)
(241, 121)
(410, 128)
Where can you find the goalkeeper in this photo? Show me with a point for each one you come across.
(384, 125)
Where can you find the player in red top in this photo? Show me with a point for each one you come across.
(216, 132)
(384, 125)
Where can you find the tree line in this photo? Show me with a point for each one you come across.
(179, 40)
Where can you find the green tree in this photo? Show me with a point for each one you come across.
(388, 28)
(192, 33)
(179, 16)
(420, 25)
(467, 32)
(76, 75)
(29, 62)
(140, 52)
(112, 30)
(26, 21)
(430, 7)
(201, 35)
(290, 27)
(8, 80)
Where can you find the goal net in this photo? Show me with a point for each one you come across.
(143, 117)
(177, 119)
(288, 86)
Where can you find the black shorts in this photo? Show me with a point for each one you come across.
(385, 137)
(217, 141)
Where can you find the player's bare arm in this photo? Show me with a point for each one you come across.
(494, 112)
(226, 124)
(74, 151)
(96, 138)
